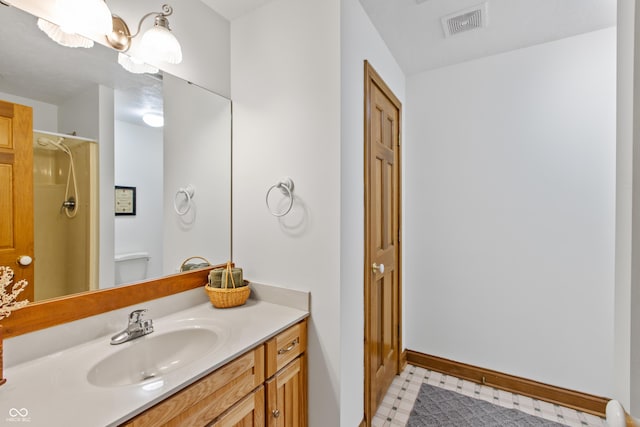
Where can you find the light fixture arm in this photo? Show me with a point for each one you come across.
(120, 38)
(166, 11)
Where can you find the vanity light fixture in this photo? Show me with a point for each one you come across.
(84, 16)
(153, 119)
(134, 65)
(76, 18)
(158, 43)
(63, 38)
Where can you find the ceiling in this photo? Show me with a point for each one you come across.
(413, 31)
(232, 9)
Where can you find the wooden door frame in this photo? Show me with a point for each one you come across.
(370, 75)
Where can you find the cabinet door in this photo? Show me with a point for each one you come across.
(287, 395)
(249, 412)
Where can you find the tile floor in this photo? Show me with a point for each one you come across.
(397, 404)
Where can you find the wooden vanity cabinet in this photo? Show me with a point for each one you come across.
(207, 398)
(287, 378)
(266, 386)
(249, 412)
(285, 347)
(287, 396)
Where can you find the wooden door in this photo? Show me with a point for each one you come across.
(382, 239)
(249, 412)
(16, 191)
(286, 396)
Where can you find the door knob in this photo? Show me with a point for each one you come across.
(378, 268)
(24, 260)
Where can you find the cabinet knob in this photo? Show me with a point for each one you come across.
(276, 413)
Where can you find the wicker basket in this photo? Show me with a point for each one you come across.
(187, 267)
(228, 296)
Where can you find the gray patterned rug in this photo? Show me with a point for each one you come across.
(437, 407)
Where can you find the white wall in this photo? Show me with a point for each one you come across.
(359, 41)
(196, 153)
(80, 114)
(45, 115)
(106, 138)
(285, 65)
(626, 146)
(624, 177)
(510, 207)
(138, 155)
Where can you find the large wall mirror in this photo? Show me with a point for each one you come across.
(115, 200)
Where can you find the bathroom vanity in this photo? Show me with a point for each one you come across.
(201, 366)
(237, 393)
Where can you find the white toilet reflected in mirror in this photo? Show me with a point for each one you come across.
(131, 267)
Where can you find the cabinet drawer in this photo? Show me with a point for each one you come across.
(285, 347)
(209, 397)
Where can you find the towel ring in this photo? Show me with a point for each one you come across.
(286, 187)
(189, 192)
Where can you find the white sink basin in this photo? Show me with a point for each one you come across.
(152, 356)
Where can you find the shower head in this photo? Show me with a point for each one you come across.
(43, 141)
(71, 199)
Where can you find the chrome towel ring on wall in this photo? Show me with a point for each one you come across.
(286, 187)
(188, 192)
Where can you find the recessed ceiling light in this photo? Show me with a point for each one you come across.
(153, 119)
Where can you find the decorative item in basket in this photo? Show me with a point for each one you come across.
(226, 287)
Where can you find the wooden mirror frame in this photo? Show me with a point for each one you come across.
(45, 314)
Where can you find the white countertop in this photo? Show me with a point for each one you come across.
(53, 390)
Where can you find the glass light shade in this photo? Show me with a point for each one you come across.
(84, 16)
(154, 120)
(159, 44)
(56, 34)
(134, 65)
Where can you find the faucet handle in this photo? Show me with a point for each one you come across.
(147, 326)
(136, 315)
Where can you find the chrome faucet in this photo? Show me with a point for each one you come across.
(137, 327)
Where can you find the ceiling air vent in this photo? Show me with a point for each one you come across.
(465, 20)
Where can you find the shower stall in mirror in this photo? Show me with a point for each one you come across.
(65, 178)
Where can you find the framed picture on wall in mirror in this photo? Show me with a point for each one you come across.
(125, 200)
